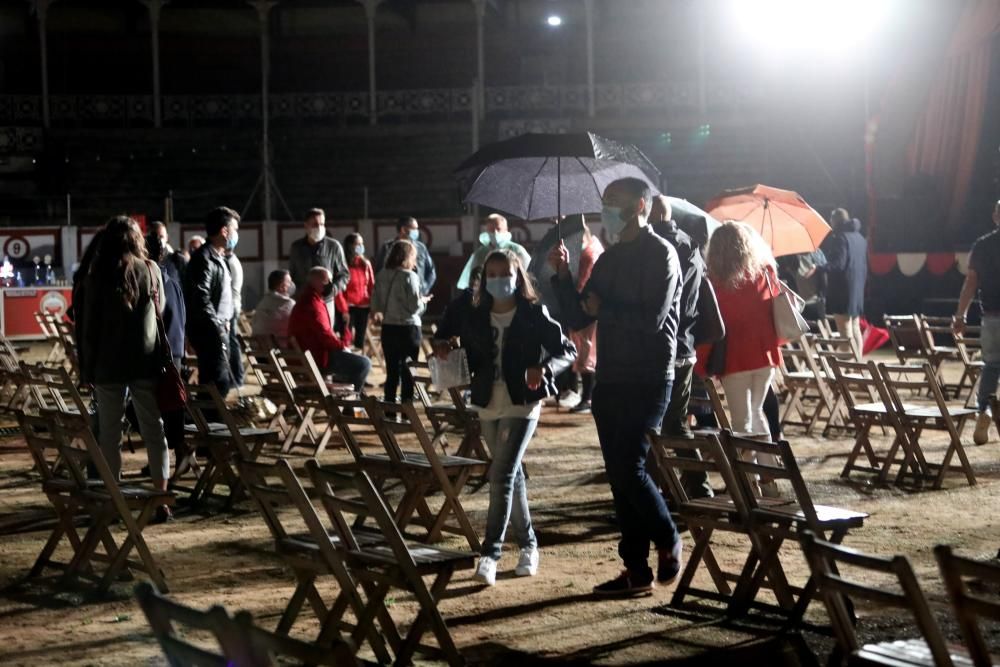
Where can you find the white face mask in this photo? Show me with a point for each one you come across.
(495, 239)
(611, 218)
(316, 234)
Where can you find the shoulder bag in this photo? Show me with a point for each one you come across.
(171, 393)
(786, 308)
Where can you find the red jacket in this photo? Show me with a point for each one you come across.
(310, 325)
(751, 341)
(359, 289)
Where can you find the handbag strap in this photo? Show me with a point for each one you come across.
(161, 333)
(770, 287)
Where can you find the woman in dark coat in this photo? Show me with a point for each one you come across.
(846, 253)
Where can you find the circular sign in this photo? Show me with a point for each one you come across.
(53, 303)
(16, 247)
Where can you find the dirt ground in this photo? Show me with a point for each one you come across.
(214, 557)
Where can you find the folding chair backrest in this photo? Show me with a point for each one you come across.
(743, 452)
(907, 339)
(715, 398)
(10, 362)
(267, 486)
(41, 440)
(300, 372)
(164, 614)
(343, 510)
(45, 323)
(798, 357)
(828, 349)
(859, 379)
(53, 391)
(968, 606)
(421, 382)
(705, 455)
(207, 406)
(277, 649)
(969, 345)
(350, 417)
(900, 379)
(826, 561)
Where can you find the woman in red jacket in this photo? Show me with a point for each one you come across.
(359, 288)
(742, 270)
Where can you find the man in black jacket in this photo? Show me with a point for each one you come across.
(208, 295)
(696, 484)
(634, 294)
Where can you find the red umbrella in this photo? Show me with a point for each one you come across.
(788, 224)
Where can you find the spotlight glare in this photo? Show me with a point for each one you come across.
(554, 21)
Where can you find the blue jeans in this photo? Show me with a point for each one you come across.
(990, 342)
(351, 367)
(623, 414)
(507, 440)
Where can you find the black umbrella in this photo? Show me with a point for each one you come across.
(698, 224)
(536, 176)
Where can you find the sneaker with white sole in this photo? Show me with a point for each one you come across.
(486, 571)
(527, 564)
(982, 433)
(568, 399)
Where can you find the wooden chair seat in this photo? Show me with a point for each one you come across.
(136, 495)
(428, 559)
(805, 376)
(247, 432)
(906, 652)
(934, 412)
(828, 517)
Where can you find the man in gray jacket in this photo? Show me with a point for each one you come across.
(318, 249)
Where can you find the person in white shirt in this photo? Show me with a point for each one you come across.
(270, 318)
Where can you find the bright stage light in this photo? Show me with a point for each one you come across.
(554, 21)
(820, 27)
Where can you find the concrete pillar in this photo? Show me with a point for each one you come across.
(480, 8)
(371, 6)
(42, 11)
(155, 7)
(588, 13)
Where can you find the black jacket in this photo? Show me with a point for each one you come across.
(692, 271)
(203, 283)
(534, 339)
(846, 253)
(640, 289)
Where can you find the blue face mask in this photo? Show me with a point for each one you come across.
(502, 288)
(233, 239)
(359, 250)
(611, 218)
(414, 234)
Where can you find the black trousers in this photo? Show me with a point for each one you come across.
(400, 343)
(359, 323)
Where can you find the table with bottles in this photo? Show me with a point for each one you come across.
(23, 293)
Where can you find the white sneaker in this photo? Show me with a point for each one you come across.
(569, 399)
(982, 433)
(527, 564)
(486, 572)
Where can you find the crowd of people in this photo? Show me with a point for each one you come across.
(635, 326)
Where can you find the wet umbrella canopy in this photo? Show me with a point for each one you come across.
(536, 176)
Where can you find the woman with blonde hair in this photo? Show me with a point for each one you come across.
(742, 271)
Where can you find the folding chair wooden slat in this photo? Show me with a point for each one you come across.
(826, 560)
(906, 337)
(308, 390)
(806, 382)
(969, 347)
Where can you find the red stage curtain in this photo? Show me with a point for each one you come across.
(949, 130)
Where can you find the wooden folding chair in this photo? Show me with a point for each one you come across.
(393, 563)
(869, 406)
(237, 640)
(315, 551)
(13, 392)
(826, 560)
(939, 349)
(53, 393)
(958, 573)
(108, 503)
(912, 421)
(906, 338)
(226, 441)
(724, 512)
(808, 395)
(308, 391)
(970, 353)
(826, 351)
(777, 519)
(43, 437)
(424, 472)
